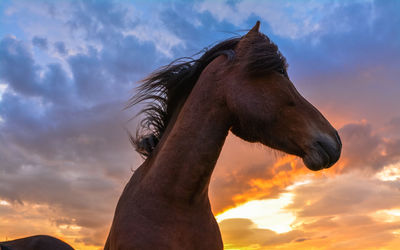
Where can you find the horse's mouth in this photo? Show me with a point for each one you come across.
(322, 154)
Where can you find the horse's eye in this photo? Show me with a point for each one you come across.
(282, 71)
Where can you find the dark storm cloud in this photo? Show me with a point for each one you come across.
(40, 42)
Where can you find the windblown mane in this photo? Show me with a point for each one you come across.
(165, 90)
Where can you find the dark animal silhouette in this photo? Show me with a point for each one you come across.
(38, 242)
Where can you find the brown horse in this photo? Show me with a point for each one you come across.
(38, 242)
(241, 85)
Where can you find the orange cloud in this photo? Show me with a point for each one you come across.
(243, 173)
(247, 171)
(22, 220)
(348, 211)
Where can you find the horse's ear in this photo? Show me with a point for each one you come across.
(246, 41)
(255, 29)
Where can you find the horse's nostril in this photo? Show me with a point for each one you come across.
(331, 149)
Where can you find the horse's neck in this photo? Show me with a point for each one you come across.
(182, 166)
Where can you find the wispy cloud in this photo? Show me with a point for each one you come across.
(289, 19)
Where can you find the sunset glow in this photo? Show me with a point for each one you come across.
(266, 214)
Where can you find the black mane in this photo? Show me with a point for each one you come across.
(165, 90)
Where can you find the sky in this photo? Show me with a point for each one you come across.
(67, 68)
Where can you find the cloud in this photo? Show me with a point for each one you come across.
(65, 156)
(360, 139)
(62, 136)
(36, 219)
(73, 166)
(106, 22)
(347, 207)
(248, 171)
(392, 128)
(15, 58)
(377, 151)
(344, 195)
(100, 20)
(40, 42)
(243, 233)
(344, 211)
(61, 48)
(292, 20)
(69, 160)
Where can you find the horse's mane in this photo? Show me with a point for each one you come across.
(165, 90)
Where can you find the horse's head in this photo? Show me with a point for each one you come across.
(267, 108)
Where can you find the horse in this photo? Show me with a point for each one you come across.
(37, 242)
(239, 85)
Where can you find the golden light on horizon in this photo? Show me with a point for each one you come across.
(39, 219)
(266, 214)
